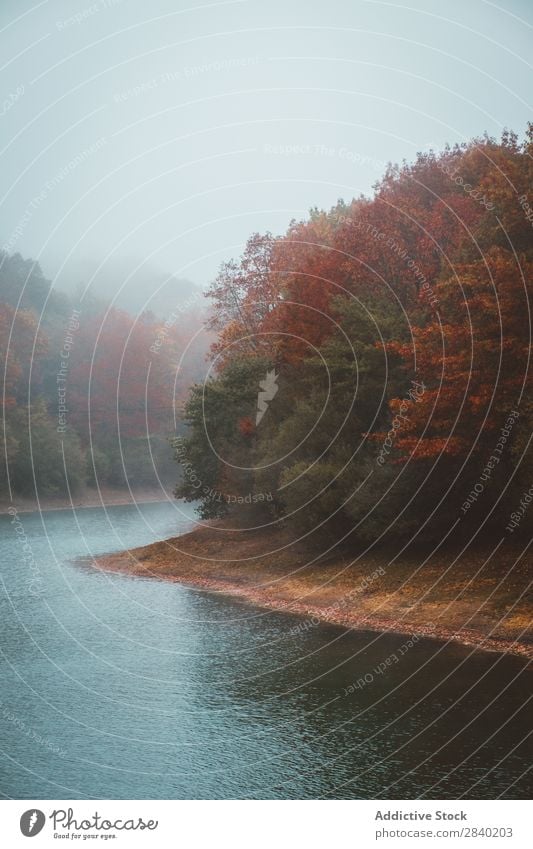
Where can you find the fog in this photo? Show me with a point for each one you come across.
(142, 143)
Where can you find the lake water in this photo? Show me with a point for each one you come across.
(115, 687)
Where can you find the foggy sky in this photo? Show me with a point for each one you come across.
(150, 139)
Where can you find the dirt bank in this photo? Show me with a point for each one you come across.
(476, 601)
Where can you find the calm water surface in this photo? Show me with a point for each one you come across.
(114, 687)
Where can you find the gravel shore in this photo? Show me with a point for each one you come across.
(477, 600)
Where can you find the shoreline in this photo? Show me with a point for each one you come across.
(106, 498)
(263, 568)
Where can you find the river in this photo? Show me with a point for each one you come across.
(116, 687)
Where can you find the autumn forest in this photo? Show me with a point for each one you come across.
(90, 391)
(386, 342)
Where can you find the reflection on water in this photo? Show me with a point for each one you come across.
(113, 687)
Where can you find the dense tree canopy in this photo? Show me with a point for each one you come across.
(395, 332)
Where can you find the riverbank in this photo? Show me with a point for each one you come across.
(475, 601)
(106, 497)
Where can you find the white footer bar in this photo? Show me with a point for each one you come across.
(268, 824)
